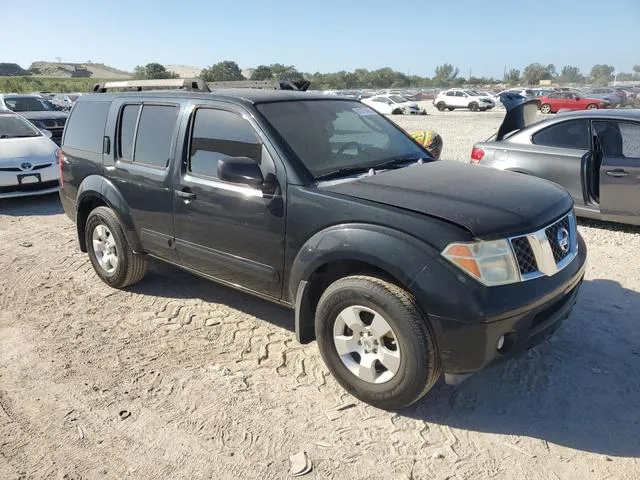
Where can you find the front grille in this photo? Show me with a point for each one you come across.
(524, 255)
(29, 187)
(555, 238)
(548, 250)
(18, 169)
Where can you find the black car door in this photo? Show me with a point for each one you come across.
(229, 231)
(619, 144)
(145, 138)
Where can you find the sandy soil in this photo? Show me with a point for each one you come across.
(180, 378)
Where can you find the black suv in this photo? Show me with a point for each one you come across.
(401, 267)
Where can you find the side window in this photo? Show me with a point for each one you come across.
(85, 128)
(618, 139)
(451, 94)
(572, 134)
(127, 131)
(217, 134)
(155, 132)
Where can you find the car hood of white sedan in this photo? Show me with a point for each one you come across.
(34, 148)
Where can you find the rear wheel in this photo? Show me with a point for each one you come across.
(545, 108)
(451, 109)
(110, 254)
(473, 106)
(375, 342)
(592, 106)
(441, 106)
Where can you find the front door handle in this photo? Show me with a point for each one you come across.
(618, 172)
(186, 195)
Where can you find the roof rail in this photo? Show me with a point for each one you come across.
(190, 84)
(300, 85)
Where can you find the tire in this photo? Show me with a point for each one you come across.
(412, 364)
(451, 109)
(592, 106)
(441, 106)
(473, 106)
(545, 108)
(483, 109)
(120, 267)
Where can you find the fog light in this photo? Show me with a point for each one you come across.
(501, 342)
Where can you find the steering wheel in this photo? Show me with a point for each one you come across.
(344, 147)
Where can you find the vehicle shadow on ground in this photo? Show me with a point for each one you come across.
(29, 206)
(603, 225)
(164, 280)
(580, 389)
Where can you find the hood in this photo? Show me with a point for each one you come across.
(521, 112)
(26, 148)
(44, 115)
(486, 202)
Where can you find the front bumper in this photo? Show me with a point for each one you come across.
(14, 184)
(525, 314)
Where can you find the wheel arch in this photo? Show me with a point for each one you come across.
(346, 250)
(95, 191)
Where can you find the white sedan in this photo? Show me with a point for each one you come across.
(393, 104)
(28, 158)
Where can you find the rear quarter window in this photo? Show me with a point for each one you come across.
(85, 127)
(572, 134)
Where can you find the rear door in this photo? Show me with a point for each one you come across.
(145, 140)
(557, 153)
(229, 231)
(620, 170)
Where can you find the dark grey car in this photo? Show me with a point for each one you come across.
(594, 154)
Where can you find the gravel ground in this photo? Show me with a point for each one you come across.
(180, 378)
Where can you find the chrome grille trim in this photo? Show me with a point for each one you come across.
(542, 251)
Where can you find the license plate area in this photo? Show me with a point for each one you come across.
(28, 178)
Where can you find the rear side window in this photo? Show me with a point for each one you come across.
(128, 123)
(146, 133)
(618, 139)
(571, 134)
(217, 134)
(85, 128)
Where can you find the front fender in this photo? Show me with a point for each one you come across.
(96, 186)
(395, 252)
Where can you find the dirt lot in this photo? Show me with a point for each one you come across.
(180, 378)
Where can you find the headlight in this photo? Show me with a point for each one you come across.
(492, 262)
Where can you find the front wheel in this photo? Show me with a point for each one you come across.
(375, 342)
(545, 108)
(592, 106)
(473, 106)
(441, 106)
(109, 252)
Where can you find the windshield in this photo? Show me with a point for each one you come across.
(329, 136)
(13, 126)
(397, 98)
(27, 104)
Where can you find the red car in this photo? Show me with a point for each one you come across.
(569, 101)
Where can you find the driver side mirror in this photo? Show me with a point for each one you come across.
(241, 170)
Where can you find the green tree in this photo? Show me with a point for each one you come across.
(570, 74)
(152, 71)
(262, 72)
(285, 72)
(636, 69)
(512, 77)
(11, 69)
(222, 72)
(601, 74)
(535, 72)
(445, 75)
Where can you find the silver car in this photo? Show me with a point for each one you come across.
(28, 163)
(594, 154)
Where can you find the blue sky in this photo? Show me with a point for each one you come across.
(410, 36)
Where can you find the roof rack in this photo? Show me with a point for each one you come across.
(190, 84)
(198, 85)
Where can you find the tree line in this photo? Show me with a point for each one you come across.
(445, 75)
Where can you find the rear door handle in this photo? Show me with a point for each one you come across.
(618, 172)
(186, 195)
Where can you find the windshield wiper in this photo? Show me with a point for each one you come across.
(398, 162)
(341, 172)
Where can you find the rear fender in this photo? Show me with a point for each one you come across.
(98, 187)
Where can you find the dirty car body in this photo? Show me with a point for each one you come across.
(327, 220)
